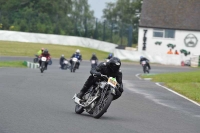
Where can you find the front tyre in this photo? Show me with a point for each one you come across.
(42, 67)
(144, 68)
(100, 109)
(72, 66)
(79, 109)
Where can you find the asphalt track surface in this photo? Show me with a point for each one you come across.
(34, 102)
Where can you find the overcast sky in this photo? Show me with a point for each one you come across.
(97, 6)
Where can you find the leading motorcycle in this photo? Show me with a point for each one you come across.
(98, 98)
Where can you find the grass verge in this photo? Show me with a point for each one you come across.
(185, 83)
(30, 49)
(12, 64)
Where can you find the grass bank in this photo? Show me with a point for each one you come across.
(12, 64)
(185, 83)
(30, 49)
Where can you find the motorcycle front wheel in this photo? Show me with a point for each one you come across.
(42, 67)
(101, 108)
(79, 109)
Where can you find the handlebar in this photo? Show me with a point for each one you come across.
(105, 76)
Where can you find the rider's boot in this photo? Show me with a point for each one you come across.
(80, 95)
(82, 92)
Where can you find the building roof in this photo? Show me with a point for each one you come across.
(171, 14)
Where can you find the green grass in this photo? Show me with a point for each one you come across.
(30, 49)
(12, 64)
(185, 83)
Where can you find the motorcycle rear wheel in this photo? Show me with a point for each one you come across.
(35, 60)
(65, 67)
(98, 110)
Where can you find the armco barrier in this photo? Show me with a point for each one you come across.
(31, 65)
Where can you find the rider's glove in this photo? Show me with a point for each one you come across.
(98, 74)
(121, 88)
(118, 92)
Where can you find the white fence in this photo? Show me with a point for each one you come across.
(56, 39)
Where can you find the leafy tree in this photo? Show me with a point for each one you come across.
(124, 12)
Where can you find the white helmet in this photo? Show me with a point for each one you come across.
(62, 55)
(77, 51)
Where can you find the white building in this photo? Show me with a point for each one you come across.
(170, 24)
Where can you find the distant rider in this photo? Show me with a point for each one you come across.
(40, 51)
(110, 56)
(62, 58)
(145, 59)
(78, 56)
(111, 69)
(47, 55)
(94, 57)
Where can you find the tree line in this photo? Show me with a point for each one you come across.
(72, 18)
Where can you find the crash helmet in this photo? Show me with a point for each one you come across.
(46, 51)
(114, 64)
(78, 51)
(110, 55)
(62, 55)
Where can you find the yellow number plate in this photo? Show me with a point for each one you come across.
(112, 81)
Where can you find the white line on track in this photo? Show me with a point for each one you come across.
(137, 75)
(178, 94)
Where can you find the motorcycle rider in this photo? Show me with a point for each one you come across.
(111, 68)
(47, 55)
(94, 57)
(145, 59)
(40, 51)
(62, 58)
(78, 56)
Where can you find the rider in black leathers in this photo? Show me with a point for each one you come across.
(145, 59)
(94, 57)
(111, 68)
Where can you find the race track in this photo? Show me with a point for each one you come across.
(34, 102)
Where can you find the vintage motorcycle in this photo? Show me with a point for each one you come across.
(36, 59)
(74, 64)
(65, 65)
(145, 67)
(98, 98)
(93, 63)
(43, 61)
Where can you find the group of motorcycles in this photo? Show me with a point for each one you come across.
(73, 66)
(98, 98)
(65, 65)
